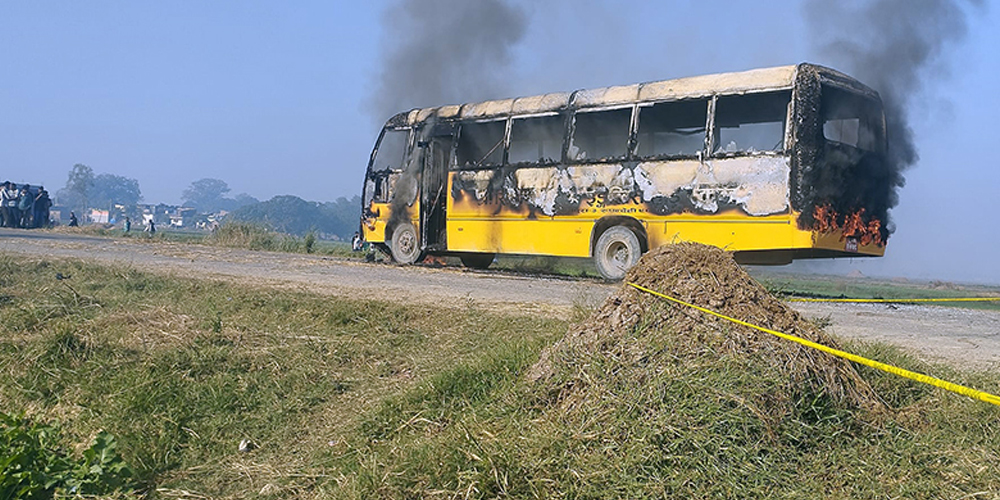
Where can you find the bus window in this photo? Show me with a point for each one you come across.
(751, 123)
(600, 135)
(672, 129)
(851, 119)
(390, 151)
(536, 140)
(481, 144)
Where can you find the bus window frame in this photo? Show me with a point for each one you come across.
(787, 136)
(881, 139)
(561, 160)
(456, 166)
(385, 174)
(630, 141)
(706, 137)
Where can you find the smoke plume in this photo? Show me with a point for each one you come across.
(895, 47)
(438, 52)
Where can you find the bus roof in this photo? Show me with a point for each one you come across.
(754, 80)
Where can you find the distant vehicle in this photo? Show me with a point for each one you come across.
(772, 164)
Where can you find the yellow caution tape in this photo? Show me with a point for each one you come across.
(919, 377)
(896, 301)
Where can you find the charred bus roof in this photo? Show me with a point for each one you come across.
(755, 80)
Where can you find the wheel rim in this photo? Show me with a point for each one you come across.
(406, 243)
(618, 255)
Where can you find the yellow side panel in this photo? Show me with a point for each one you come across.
(374, 228)
(836, 241)
(569, 238)
(763, 233)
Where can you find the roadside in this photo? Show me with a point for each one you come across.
(961, 337)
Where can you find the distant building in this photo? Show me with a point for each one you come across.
(99, 216)
(183, 217)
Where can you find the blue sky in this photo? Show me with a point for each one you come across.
(273, 98)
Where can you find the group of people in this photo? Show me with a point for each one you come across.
(24, 207)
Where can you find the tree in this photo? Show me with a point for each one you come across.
(344, 216)
(206, 194)
(293, 215)
(110, 189)
(241, 200)
(286, 213)
(78, 185)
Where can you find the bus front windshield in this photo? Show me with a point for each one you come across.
(851, 119)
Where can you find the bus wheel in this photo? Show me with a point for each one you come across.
(405, 244)
(477, 260)
(616, 252)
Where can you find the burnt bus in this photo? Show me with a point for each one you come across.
(771, 164)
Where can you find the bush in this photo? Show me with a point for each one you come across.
(33, 464)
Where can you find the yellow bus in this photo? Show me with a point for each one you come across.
(772, 164)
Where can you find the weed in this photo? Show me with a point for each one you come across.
(34, 463)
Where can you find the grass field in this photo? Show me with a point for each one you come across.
(820, 286)
(359, 399)
(232, 235)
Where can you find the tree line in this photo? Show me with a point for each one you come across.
(286, 213)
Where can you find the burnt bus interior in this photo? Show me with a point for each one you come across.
(830, 126)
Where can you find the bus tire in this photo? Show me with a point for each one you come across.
(405, 245)
(477, 260)
(617, 250)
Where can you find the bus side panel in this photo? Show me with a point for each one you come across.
(729, 231)
(568, 237)
(375, 228)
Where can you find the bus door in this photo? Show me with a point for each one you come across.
(437, 157)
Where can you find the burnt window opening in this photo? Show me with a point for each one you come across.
(672, 129)
(600, 135)
(480, 144)
(391, 149)
(536, 140)
(377, 187)
(851, 119)
(389, 156)
(751, 123)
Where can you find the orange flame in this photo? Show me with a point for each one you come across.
(434, 261)
(853, 225)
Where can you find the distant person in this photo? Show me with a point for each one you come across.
(10, 202)
(5, 198)
(13, 197)
(42, 205)
(72, 220)
(127, 225)
(26, 206)
(356, 242)
(151, 227)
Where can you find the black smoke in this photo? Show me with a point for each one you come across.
(437, 52)
(896, 47)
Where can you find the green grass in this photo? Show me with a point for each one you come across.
(232, 235)
(181, 371)
(796, 285)
(348, 398)
(705, 428)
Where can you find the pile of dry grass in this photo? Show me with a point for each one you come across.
(708, 277)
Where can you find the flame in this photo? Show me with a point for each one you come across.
(867, 230)
(434, 261)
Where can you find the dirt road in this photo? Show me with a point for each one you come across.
(961, 337)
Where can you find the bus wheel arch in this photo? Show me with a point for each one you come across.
(616, 245)
(404, 243)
